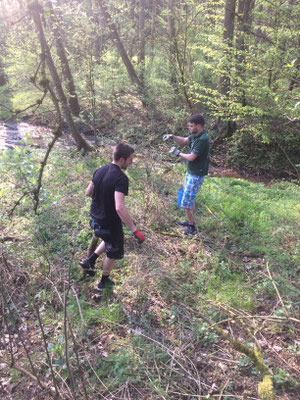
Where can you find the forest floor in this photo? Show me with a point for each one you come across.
(185, 314)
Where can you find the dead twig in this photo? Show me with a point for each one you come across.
(47, 351)
(42, 384)
(278, 294)
(20, 338)
(78, 304)
(223, 388)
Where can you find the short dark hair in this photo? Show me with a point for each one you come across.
(122, 150)
(197, 119)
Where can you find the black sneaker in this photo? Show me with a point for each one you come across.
(88, 267)
(107, 285)
(184, 223)
(191, 230)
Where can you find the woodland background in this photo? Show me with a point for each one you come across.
(237, 62)
(215, 316)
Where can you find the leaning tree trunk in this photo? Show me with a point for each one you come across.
(116, 38)
(35, 9)
(73, 100)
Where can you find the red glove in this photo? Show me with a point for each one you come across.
(140, 237)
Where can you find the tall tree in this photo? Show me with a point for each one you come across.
(228, 34)
(244, 23)
(116, 38)
(142, 39)
(36, 10)
(178, 42)
(66, 70)
(172, 39)
(2, 75)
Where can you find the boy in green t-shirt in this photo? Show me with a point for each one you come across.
(197, 161)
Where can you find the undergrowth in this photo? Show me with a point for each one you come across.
(156, 335)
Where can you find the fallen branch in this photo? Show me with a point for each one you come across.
(9, 239)
(265, 388)
(42, 384)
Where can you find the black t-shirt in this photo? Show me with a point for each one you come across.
(107, 180)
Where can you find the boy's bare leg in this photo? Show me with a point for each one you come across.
(108, 266)
(190, 215)
(100, 249)
(93, 246)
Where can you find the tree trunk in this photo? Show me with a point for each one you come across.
(180, 56)
(73, 100)
(229, 22)
(245, 8)
(228, 43)
(295, 81)
(116, 38)
(2, 75)
(226, 128)
(35, 9)
(153, 8)
(172, 48)
(98, 39)
(142, 41)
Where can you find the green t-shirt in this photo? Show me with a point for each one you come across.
(200, 146)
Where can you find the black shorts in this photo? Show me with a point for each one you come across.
(112, 236)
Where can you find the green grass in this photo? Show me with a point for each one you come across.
(149, 333)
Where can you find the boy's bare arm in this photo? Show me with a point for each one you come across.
(181, 140)
(90, 189)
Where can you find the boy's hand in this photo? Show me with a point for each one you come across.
(139, 236)
(175, 151)
(167, 137)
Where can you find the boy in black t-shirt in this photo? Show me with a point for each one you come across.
(108, 189)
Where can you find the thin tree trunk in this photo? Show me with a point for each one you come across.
(2, 75)
(153, 7)
(116, 38)
(73, 100)
(295, 81)
(172, 49)
(141, 59)
(228, 43)
(226, 128)
(35, 9)
(132, 17)
(97, 27)
(245, 8)
(180, 56)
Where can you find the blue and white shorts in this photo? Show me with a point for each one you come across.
(192, 185)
